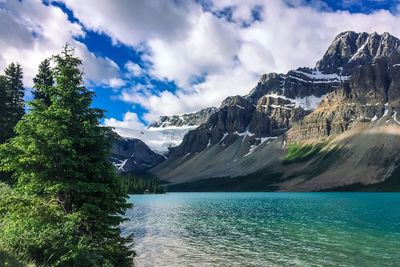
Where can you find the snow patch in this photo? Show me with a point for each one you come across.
(262, 141)
(158, 139)
(359, 50)
(277, 106)
(395, 117)
(321, 77)
(120, 166)
(239, 106)
(307, 103)
(246, 133)
(386, 110)
(223, 137)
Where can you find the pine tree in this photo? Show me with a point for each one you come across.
(42, 81)
(60, 154)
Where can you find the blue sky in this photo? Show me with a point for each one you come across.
(150, 58)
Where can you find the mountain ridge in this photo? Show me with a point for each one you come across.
(355, 86)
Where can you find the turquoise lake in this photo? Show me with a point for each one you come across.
(266, 229)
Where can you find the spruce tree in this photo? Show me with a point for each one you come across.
(15, 90)
(6, 124)
(4, 103)
(42, 81)
(60, 154)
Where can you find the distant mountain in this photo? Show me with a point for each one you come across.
(187, 119)
(136, 151)
(330, 126)
(133, 156)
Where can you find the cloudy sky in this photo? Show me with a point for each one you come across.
(146, 58)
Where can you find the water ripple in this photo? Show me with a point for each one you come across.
(266, 229)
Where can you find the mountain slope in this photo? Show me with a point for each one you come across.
(133, 156)
(357, 83)
(168, 131)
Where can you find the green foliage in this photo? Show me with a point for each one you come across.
(67, 202)
(132, 184)
(4, 100)
(42, 81)
(9, 260)
(301, 152)
(319, 157)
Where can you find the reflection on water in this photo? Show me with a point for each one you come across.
(266, 229)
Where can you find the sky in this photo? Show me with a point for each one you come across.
(146, 58)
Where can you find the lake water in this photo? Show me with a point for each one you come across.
(266, 229)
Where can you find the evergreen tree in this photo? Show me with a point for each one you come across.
(42, 81)
(60, 154)
(4, 103)
(6, 124)
(11, 100)
(15, 90)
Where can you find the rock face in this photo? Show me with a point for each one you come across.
(350, 50)
(133, 156)
(372, 94)
(296, 84)
(238, 118)
(274, 116)
(352, 93)
(188, 119)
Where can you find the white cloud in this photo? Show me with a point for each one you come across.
(208, 57)
(233, 56)
(32, 31)
(130, 121)
(132, 22)
(116, 83)
(167, 103)
(133, 69)
(209, 47)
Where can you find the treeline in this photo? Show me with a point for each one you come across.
(136, 185)
(64, 202)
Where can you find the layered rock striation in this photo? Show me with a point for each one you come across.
(350, 102)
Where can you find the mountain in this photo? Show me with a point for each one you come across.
(133, 156)
(137, 151)
(332, 126)
(186, 119)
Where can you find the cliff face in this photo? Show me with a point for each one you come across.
(350, 50)
(349, 100)
(274, 116)
(133, 156)
(372, 94)
(296, 84)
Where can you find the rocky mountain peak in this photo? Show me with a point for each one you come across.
(130, 155)
(187, 119)
(350, 50)
(237, 101)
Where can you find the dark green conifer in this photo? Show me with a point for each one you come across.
(42, 81)
(59, 155)
(11, 100)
